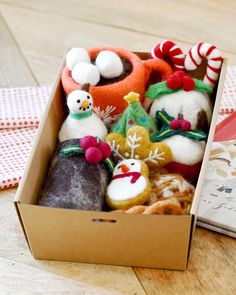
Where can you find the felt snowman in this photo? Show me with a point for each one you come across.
(130, 185)
(81, 120)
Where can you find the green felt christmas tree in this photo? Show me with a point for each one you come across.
(134, 115)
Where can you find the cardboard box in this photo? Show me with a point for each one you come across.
(153, 241)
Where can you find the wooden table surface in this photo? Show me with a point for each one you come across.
(34, 35)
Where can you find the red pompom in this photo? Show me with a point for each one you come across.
(105, 149)
(181, 74)
(174, 82)
(88, 141)
(185, 125)
(93, 155)
(175, 124)
(188, 83)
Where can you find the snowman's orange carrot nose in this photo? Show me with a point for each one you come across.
(124, 168)
(85, 104)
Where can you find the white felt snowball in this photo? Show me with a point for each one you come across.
(109, 64)
(84, 72)
(76, 55)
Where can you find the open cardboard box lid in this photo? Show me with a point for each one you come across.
(101, 237)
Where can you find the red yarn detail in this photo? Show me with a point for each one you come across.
(198, 49)
(192, 58)
(209, 51)
(215, 70)
(135, 176)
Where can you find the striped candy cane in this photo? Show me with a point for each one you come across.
(214, 59)
(171, 52)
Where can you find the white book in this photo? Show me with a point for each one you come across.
(217, 210)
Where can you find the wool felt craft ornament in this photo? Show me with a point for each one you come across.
(202, 51)
(76, 55)
(129, 185)
(74, 181)
(183, 106)
(108, 96)
(84, 72)
(137, 145)
(81, 120)
(134, 115)
(170, 206)
(109, 64)
(171, 52)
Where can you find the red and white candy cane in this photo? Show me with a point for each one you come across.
(205, 51)
(170, 52)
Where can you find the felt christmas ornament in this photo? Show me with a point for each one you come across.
(76, 55)
(109, 64)
(72, 182)
(170, 52)
(108, 93)
(129, 185)
(185, 97)
(84, 72)
(134, 115)
(137, 145)
(202, 51)
(172, 185)
(81, 120)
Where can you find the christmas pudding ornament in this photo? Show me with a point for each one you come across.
(137, 145)
(81, 120)
(134, 115)
(183, 96)
(129, 185)
(76, 55)
(78, 176)
(202, 51)
(109, 64)
(109, 92)
(170, 52)
(183, 107)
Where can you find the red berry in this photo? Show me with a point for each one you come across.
(93, 155)
(88, 141)
(175, 124)
(105, 149)
(179, 73)
(185, 125)
(174, 82)
(188, 83)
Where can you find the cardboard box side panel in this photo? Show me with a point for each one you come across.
(43, 148)
(130, 239)
(200, 183)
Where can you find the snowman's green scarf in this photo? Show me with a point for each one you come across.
(166, 131)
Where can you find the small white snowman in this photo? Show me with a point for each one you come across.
(81, 120)
(130, 185)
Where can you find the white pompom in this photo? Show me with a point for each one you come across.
(76, 55)
(84, 72)
(109, 64)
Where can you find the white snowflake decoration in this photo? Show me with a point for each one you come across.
(133, 143)
(105, 115)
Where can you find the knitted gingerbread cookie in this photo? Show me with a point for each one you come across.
(130, 185)
(137, 145)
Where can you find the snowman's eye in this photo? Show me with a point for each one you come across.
(88, 97)
(132, 164)
(78, 101)
(119, 167)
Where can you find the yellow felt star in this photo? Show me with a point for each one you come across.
(131, 97)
